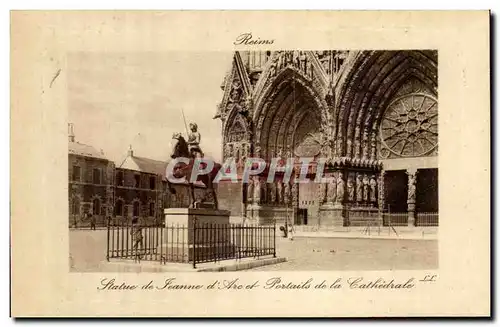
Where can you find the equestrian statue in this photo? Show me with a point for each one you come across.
(191, 149)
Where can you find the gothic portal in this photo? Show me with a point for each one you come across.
(372, 115)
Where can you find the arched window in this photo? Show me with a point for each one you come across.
(119, 208)
(96, 206)
(136, 209)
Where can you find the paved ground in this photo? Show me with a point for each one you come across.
(355, 254)
(88, 249)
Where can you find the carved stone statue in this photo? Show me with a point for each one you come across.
(381, 190)
(272, 69)
(373, 189)
(412, 181)
(295, 194)
(244, 153)
(295, 58)
(256, 190)
(340, 188)
(272, 193)
(373, 148)
(303, 59)
(340, 143)
(264, 195)
(359, 188)
(309, 69)
(279, 192)
(331, 191)
(366, 185)
(287, 193)
(235, 94)
(250, 190)
(350, 188)
(322, 193)
(227, 151)
(280, 61)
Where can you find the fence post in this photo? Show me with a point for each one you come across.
(107, 239)
(274, 240)
(194, 243)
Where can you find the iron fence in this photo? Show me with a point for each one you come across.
(427, 219)
(194, 243)
(395, 219)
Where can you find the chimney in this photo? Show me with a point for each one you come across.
(130, 151)
(71, 134)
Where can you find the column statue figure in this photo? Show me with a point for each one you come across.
(359, 188)
(340, 189)
(279, 192)
(373, 189)
(256, 190)
(322, 193)
(272, 193)
(412, 187)
(350, 188)
(366, 186)
(250, 191)
(287, 193)
(331, 190)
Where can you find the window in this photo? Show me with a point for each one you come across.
(75, 206)
(76, 173)
(137, 180)
(96, 176)
(96, 206)
(152, 182)
(136, 209)
(119, 178)
(119, 208)
(151, 209)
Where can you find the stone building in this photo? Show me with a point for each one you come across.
(141, 189)
(135, 187)
(372, 115)
(90, 183)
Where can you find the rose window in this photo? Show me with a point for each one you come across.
(409, 127)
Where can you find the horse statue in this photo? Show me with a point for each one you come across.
(181, 170)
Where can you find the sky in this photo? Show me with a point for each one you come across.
(121, 99)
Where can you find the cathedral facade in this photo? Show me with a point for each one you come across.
(372, 116)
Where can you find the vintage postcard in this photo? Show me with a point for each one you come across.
(257, 164)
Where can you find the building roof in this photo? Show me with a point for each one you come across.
(150, 166)
(85, 150)
(147, 165)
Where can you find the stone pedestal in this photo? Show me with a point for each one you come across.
(213, 235)
(186, 216)
(331, 215)
(411, 214)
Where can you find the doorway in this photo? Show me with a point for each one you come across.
(396, 191)
(301, 217)
(427, 190)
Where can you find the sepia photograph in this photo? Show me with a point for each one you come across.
(250, 163)
(295, 160)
